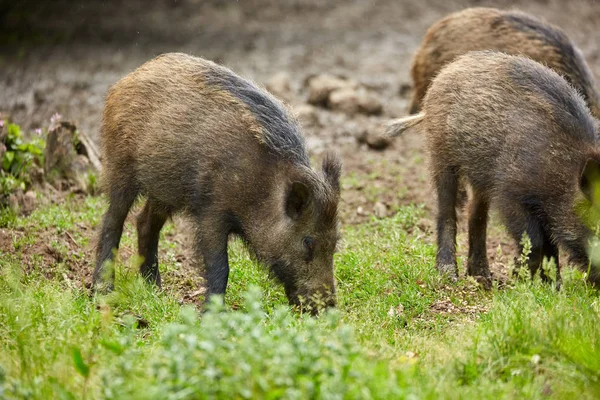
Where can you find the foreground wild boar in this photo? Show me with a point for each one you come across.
(192, 136)
(524, 140)
(506, 31)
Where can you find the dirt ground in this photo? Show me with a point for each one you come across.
(66, 54)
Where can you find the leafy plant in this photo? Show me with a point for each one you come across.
(18, 155)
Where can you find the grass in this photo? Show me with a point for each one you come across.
(400, 330)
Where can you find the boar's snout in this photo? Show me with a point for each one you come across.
(314, 299)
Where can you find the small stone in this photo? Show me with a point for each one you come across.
(28, 202)
(13, 201)
(380, 210)
(368, 103)
(352, 100)
(396, 311)
(321, 86)
(344, 100)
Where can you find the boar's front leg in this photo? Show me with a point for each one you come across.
(120, 201)
(446, 183)
(477, 264)
(149, 223)
(212, 247)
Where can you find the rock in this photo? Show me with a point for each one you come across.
(36, 174)
(280, 85)
(13, 201)
(23, 203)
(321, 86)
(344, 100)
(28, 202)
(380, 210)
(342, 95)
(368, 103)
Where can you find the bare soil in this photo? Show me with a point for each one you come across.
(63, 56)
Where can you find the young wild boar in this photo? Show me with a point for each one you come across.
(506, 31)
(524, 140)
(192, 136)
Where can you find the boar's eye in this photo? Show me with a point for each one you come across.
(309, 247)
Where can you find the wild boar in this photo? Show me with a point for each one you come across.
(510, 32)
(191, 136)
(524, 140)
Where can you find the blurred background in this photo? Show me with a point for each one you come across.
(61, 56)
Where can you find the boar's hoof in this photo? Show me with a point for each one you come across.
(103, 287)
(484, 281)
(450, 270)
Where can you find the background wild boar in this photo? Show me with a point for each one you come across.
(192, 136)
(524, 140)
(510, 32)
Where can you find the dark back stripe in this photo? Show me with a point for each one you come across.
(281, 132)
(569, 110)
(573, 64)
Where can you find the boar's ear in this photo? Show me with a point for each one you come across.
(332, 168)
(589, 182)
(297, 199)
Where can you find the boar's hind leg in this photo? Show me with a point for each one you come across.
(149, 224)
(446, 184)
(120, 200)
(477, 264)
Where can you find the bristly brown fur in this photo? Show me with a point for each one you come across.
(520, 135)
(510, 32)
(192, 136)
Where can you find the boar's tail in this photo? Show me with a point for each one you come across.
(397, 127)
